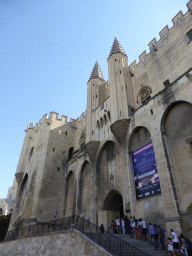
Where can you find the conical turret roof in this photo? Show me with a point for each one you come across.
(96, 72)
(116, 48)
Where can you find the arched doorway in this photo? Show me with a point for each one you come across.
(112, 208)
(114, 203)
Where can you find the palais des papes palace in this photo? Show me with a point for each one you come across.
(130, 153)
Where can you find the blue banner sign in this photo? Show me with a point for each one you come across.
(145, 172)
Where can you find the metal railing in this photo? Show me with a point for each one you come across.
(109, 242)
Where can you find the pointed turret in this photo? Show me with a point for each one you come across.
(96, 72)
(116, 48)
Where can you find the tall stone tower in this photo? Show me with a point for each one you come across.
(120, 82)
(94, 99)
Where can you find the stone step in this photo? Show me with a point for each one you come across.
(143, 245)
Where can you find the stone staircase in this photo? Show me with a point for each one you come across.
(145, 246)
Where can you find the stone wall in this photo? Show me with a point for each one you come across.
(61, 244)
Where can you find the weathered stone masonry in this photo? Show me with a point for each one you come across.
(84, 166)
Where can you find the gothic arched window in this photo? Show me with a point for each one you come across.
(82, 141)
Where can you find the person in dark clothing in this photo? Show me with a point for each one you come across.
(113, 227)
(101, 228)
(162, 236)
(127, 225)
(156, 235)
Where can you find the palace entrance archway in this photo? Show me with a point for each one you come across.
(112, 208)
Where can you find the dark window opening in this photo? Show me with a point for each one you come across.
(93, 110)
(93, 84)
(109, 115)
(115, 60)
(63, 152)
(70, 153)
(92, 132)
(66, 133)
(190, 35)
(122, 88)
(58, 169)
(31, 153)
(101, 121)
(96, 96)
(105, 119)
(151, 111)
(110, 152)
(53, 149)
(166, 83)
(120, 71)
(126, 86)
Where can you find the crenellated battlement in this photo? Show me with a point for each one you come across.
(81, 117)
(165, 33)
(48, 119)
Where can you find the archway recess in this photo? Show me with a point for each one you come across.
(112, 208)
(114, 202)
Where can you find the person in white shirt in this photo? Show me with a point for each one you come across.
(144, 231)
(175, 240)
(118, 225)
(123, 226)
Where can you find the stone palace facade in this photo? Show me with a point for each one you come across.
(130, 153)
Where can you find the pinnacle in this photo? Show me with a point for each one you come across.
(116, 48)
(96, 72)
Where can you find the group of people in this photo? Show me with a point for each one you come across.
(138, 228)
(179, 245)
(120, 226)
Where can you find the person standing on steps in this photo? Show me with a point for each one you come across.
(152, 234)
(162, 236)
(101, 228)
(113, 227)
(130, 223)
(127, 226)
(175, 240)
(144, 228)
(134, 226)
(183, 245)
(118, 225)
(156, 236)
(123, 226)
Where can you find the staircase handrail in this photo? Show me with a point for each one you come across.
(109, 242)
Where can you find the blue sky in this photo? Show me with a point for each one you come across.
(48, 49)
